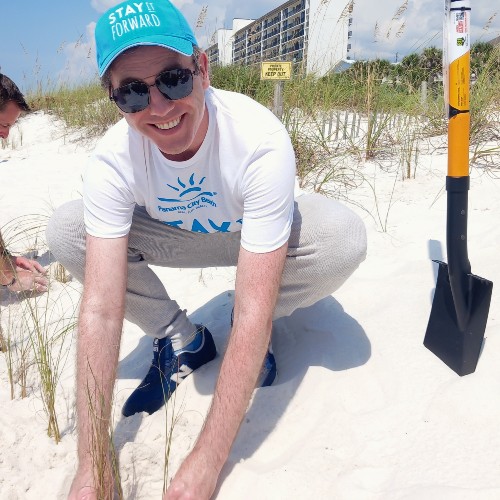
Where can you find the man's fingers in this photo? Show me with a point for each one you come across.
(41, 286)
(35, 267)
(41, 280)
(40, 283)
(27, 280)
(38, 267)
(29, 265)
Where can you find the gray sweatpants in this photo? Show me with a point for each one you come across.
(327, 243)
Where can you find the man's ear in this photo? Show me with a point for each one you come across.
(203, 65)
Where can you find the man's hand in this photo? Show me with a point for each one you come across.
(83, 487)
(28, 264)
(29, 274)
(195, 479)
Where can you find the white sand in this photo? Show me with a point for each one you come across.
(361, 410)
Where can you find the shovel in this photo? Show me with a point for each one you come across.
(461, 303)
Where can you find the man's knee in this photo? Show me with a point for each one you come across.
(65, 229)
(354, 235)
(346, 243)
(338, 242)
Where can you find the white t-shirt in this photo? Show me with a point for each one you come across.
(241, 179)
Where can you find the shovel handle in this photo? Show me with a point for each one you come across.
(459, 267)
(457, 40)
(457, 57)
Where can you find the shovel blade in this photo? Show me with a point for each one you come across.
(458, 347)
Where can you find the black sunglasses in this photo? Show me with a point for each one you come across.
(173, 84)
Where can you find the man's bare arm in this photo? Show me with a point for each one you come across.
(99, 333)
(257, 284)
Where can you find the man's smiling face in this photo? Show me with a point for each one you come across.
(177, 127)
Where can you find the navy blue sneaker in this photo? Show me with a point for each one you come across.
(268, 372)
(167, 371)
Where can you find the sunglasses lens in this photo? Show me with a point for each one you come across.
(175, 84)
(132, 97)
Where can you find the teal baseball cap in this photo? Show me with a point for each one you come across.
(130, 24)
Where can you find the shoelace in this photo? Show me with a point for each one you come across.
(156, 370)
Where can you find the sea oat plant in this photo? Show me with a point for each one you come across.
(86, 108)
(60, 273)
(171, 419)
(485, 112)
(3, 343)
(17, 352)
(21, 235)
(50, 320)
(39, 326)
(105, 465)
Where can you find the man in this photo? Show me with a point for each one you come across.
(16, 273)
(191, 177)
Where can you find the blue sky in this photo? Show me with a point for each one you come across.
(43, 43)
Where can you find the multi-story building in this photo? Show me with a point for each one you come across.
(220, 51)
(313, 34)
(495, 41)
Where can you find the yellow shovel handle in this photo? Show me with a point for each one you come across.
(457, 68)
(459, 125)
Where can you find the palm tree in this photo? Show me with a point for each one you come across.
(409, 72)
(431, 61)
(376, 70)
(482, 56)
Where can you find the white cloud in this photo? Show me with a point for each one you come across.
(204, 20)
(181, 3)
(103, 5)
(80, 61)
(418, 27)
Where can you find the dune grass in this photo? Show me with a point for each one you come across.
(377, 91)
(87, 107)
(37, 328)
(374, 112)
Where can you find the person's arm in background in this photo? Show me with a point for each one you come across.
(19, 273)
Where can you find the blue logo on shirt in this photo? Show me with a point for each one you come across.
(191, 197)
(186, 190)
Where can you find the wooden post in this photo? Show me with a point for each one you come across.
(423, 92)
(278, 99)
(330, 124)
